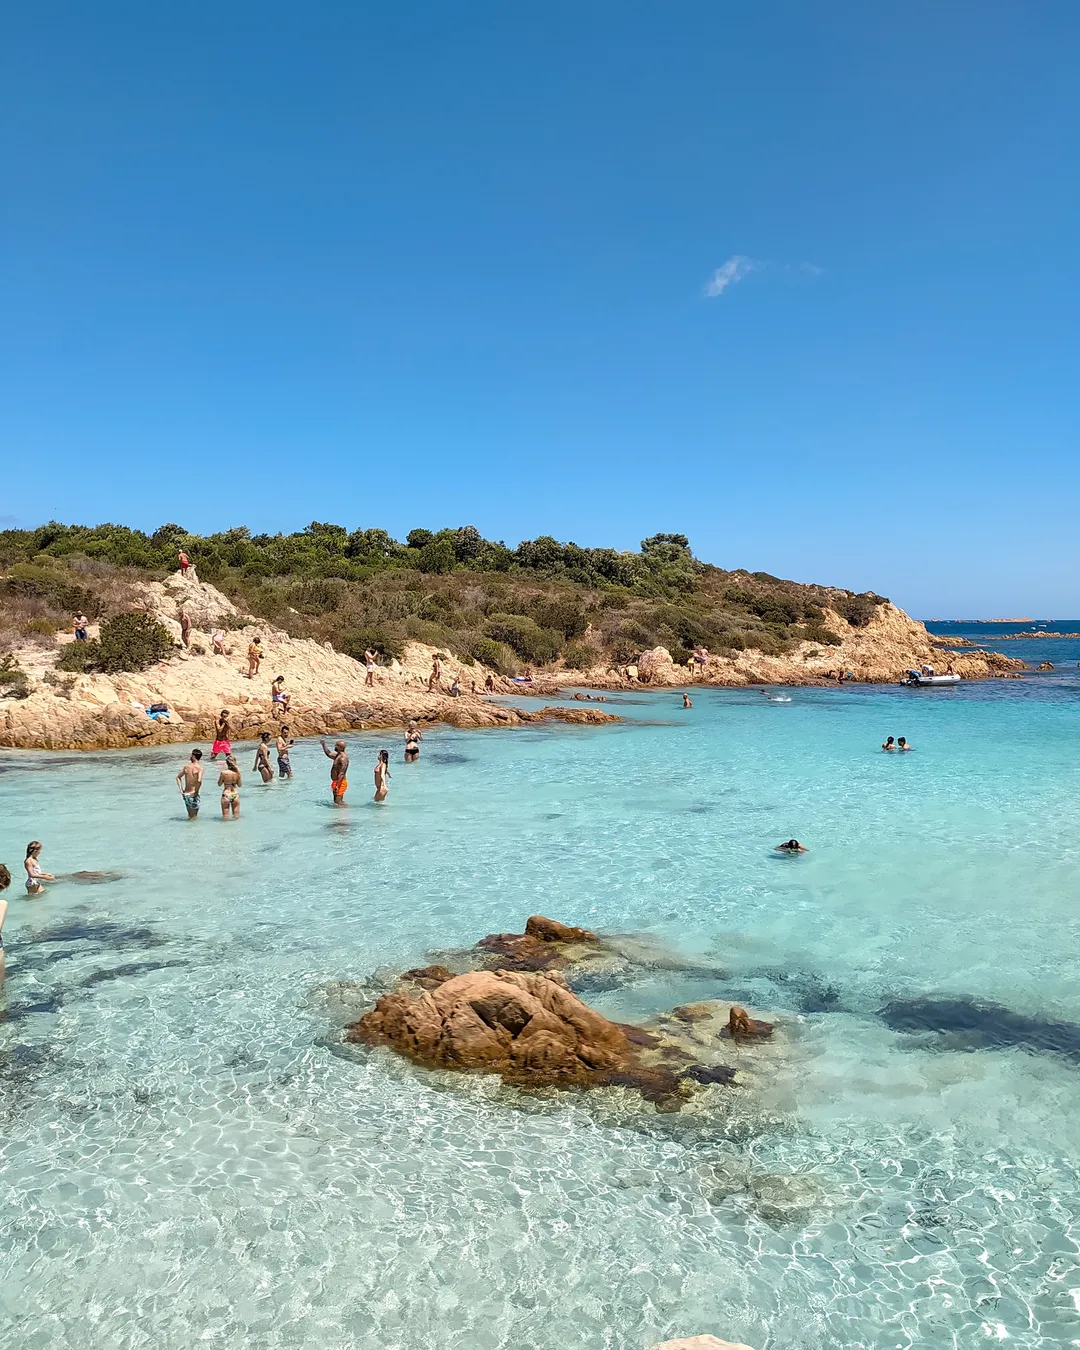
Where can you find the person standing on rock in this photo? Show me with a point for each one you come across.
(185, 563)
(255, 656)
(435, 678)
(284, 764)
(339, 770)
(185, 629)
(262, 758)
(382, 773)
(189, 780)
(369, 667)
(229, 781)
(222, 736)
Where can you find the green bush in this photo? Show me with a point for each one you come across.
(51, 585)
(497, 655)
(389, 642)
(525, 636)
(582, 655)
(79, 657)
(130, 642)
(858, 609)
(817, 632)
(14, 681)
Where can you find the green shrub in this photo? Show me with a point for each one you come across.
(582, 655)
(858, 609)
(51, 585)
(438, 557)
(79, 657)
(817, 632)
(39, 628)
(130, 642)
(525, 636)
(389, 642)
(497, 655)
(14, 681)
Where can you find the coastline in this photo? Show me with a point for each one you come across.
(329, 694)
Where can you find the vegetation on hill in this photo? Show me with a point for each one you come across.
(536, 604)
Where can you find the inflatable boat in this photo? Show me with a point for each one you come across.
(918, 679)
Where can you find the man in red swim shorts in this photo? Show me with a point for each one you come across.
(338, 770)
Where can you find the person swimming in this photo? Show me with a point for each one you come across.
(35, 877)
(902, 744)
(382, 773)
(890, 744)
(790, 846)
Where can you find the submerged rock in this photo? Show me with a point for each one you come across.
(965, 1024)
(518, 1017)
(701, 1343)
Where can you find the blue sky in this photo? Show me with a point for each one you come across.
(426, 264)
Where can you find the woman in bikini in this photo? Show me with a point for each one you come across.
(382, 773)
(262, 758)
(229, 781)
(413, 738)
(34, 875)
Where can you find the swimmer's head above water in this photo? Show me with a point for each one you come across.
(790, 846)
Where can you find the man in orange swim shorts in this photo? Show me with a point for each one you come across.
(338, 769)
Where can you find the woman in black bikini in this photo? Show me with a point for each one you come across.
(413, 737)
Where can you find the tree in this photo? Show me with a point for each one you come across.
(419, 538)
(438, 556)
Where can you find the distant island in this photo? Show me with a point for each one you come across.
(1022, 619)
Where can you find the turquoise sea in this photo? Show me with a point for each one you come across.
(188, 1158)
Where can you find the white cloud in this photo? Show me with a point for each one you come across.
(727, 274)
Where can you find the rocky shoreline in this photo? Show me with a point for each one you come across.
(329, 695)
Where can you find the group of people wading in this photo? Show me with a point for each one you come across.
(191, 777)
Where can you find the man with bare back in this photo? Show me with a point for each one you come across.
(339, 781)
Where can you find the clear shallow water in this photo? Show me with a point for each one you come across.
(187, 1160)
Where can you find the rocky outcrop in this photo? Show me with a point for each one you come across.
(878, 653)
(701, 1343)
(328, 690)
(518, 1017)
(529, 1028)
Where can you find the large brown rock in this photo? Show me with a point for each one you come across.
(527, 1027)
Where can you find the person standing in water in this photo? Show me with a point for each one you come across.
(189, 780)
(382, 773)
(413, 737)
(229, 781)
(686, 701)
(222, 736)
(35, 877)
(902, 744)
(262, 758)
(339, 770)
(284, 744)
(890, 744)
(5, 882)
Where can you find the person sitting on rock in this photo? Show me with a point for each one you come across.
(219, 642)
(455, 688)
(278, 697)
(489, 682)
